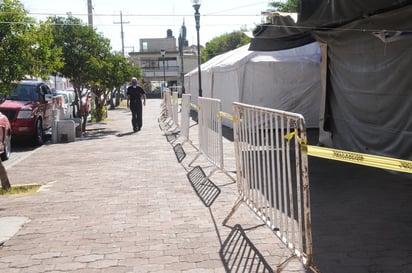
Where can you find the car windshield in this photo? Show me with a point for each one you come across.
(24, 93)
(65, 96)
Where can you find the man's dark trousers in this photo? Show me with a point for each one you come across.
(136, 108)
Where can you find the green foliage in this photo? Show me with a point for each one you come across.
(88, 58)
(25, 47)
(45, 53)
(64, 46)
(20, 189)
(288, 6)
(82, 48)
(224, 43)
(98, 114)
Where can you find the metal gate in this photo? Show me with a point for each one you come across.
(272, 174)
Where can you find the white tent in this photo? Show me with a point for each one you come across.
(288, 80)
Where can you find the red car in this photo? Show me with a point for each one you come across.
(5, 137)
(29, 110)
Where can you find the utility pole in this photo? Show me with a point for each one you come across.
(121, 30)
(90, 12)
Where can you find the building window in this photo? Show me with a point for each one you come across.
(145, 47)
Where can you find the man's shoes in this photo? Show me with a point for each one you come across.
(136, 129)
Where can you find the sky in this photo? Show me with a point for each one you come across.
(152, 18)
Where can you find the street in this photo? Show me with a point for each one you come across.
(20, 150)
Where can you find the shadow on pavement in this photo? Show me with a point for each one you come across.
(361, 216)
(240, 255)
(98, 133)
(204, 188)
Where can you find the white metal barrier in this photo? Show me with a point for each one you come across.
(163, 104)
(272, 175)
(177, 89)
(210, 133)
(166, 116)
(185, 116)
(168, 103)
(175, 108)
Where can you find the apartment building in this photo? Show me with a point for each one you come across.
(161, 63)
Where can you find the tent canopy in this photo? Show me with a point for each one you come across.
(317, 16)
(287, 80)
(369, 55)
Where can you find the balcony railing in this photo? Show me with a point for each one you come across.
(157, 68)
(157, 72)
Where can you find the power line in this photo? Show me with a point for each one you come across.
(134, 14)
(228, 24)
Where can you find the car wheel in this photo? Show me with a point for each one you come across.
(38, 134)
(7, 147)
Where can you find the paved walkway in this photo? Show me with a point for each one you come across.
(117, 201)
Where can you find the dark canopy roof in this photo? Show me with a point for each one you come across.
(369, 56)
(316, 15)
(321, 13)
(282, 33)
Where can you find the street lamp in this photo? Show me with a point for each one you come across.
(182, 40)
(163, 53)
(196, 6)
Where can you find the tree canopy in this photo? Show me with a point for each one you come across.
(224, 43)
(64, 46)
(88, 59)
(26, 48)
(285, 6)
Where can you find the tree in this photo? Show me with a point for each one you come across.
(84, 51)
(120, 71)
(88, 61)
(288, 6)
(224, 43)
(25, 49)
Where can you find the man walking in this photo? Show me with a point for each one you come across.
(135, 93)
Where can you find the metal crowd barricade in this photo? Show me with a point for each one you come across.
(168, 103)
(272, 175)
(210, 133)
(175, 108)
(185, 117)
(166, 114)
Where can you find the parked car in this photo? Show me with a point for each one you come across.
(68, 105)
(29, 110)
(85, 99)
(5, 137)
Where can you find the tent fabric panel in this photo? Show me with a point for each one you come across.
(226, 86)
(317, 13)
(290, 76)
(369, 87)
(294, 87)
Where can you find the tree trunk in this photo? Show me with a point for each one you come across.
(98, 112)
(5, 183)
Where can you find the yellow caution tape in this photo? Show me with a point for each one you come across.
(376, 161)
(382, 162)
(289, 136)
(194, 106)
(226, 115)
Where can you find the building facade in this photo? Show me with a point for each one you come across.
(166, 69)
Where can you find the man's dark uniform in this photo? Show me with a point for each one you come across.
(135, 93)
